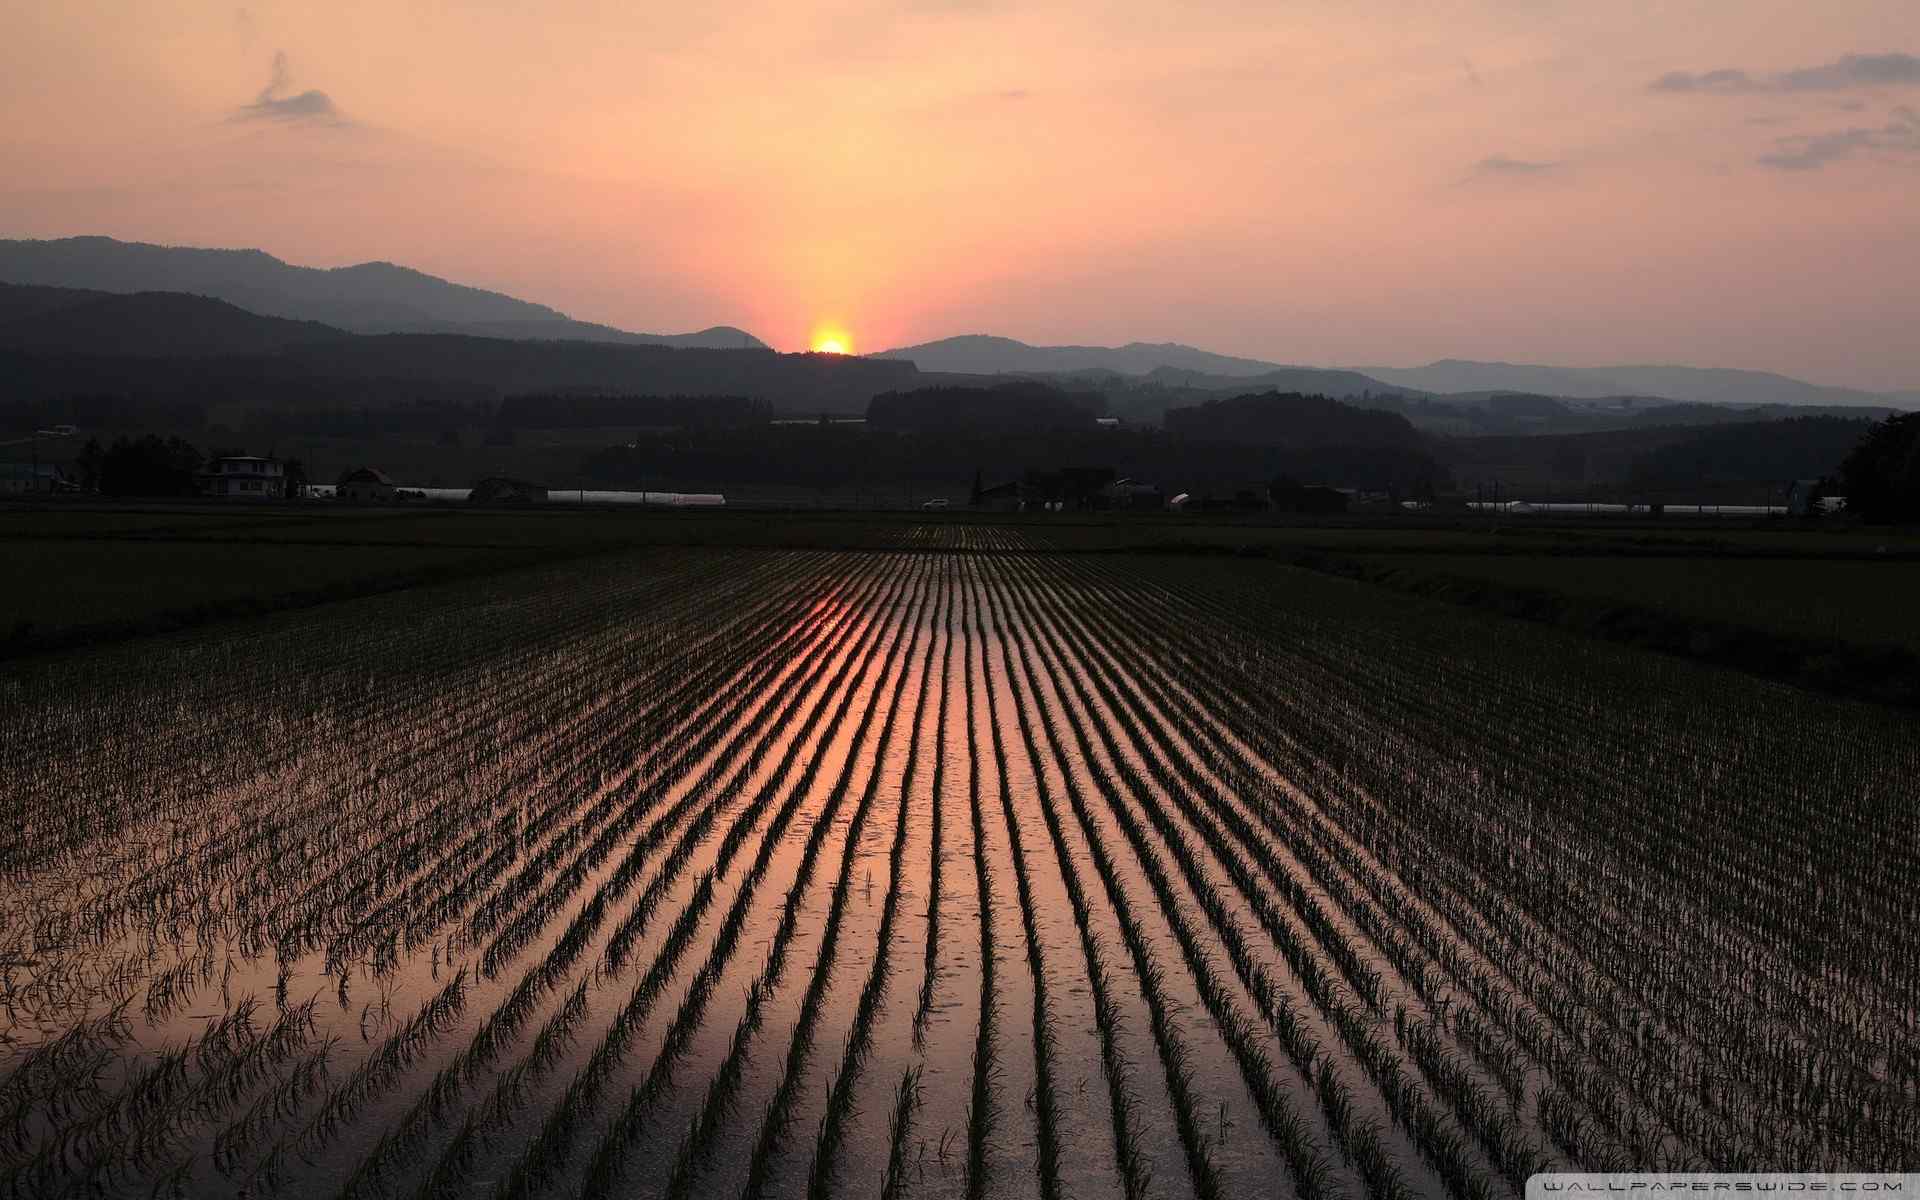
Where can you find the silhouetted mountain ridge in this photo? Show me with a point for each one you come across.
(985, 354)
(144, 324)
(371, 297)
(1704, 385)
(385, 371)
(1460, 380)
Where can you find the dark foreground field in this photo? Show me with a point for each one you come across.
(979, 861)
(1826, 605)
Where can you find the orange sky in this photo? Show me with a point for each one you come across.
(1315, 181)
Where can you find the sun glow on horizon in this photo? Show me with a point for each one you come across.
(831, 339)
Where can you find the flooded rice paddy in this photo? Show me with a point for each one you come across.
(952, 874)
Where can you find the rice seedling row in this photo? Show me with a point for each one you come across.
(975, 872)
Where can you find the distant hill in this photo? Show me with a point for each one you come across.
(392, 371)
(719, 337)
(1761, 451)
(1710, 414)
(1459, 380)
(1681, 461)
(375, 297)
(981, 354)
(805, 384)
(144, 324)
(1008, 408)
(18, 301)
(1692, 384)
(1292, 421)
(1310, 380)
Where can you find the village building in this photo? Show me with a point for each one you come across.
(364, 485)
(20, 479)
(241, 475)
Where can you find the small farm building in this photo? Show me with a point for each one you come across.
(364, 484)
(19, 479)
(1809, 498)
(1132, 494)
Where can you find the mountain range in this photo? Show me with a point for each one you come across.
(1700, 385)
(50, 320)
(982, 354)
(1177, 365)
(160, 351)
(97, 295)
(373, 297)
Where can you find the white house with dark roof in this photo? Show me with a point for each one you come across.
(241, 475)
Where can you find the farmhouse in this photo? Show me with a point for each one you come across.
(1132, 494)
(20, 478)
(1809, 498)
(364, 484)
(240, 475)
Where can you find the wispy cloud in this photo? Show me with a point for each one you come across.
(1500, 164)
(1843, 74)
(1899, 136)
(1725, 82)
(279, 102)
(1855, 71)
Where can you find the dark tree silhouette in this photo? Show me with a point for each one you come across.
(1025, 406)
(87, 464)
(1289, 419)
(1882, 475)
(149, 466)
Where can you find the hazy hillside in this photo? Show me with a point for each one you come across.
(1290, 420)
(1763, 451)
(145, 324)
(1020, 407)
(719, 337)
(981, 354)
(1697, 384)
(18, 300)
(1311, 380)
(376, 297)
(797, 383)
(388, 370)
(1458, 381)
(1708, 414)
(1761, 457)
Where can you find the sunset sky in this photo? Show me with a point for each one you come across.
(1714, 182)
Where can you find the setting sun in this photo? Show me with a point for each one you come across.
(831, 339)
